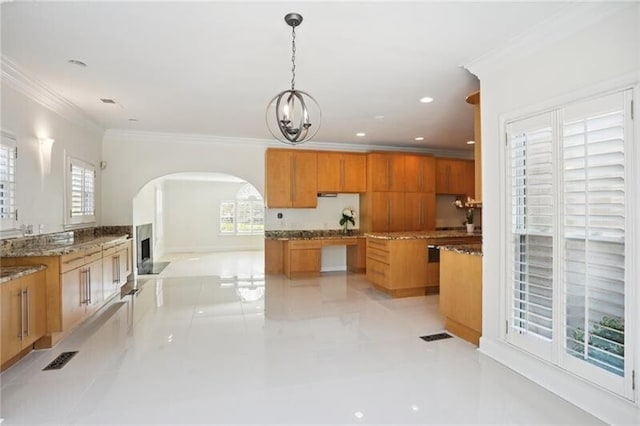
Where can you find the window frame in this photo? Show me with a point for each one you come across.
(556, 354)
(72, 220)
(246, 194)
(9, 141)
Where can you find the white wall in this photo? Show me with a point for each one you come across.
(602, 54)
(40, 194)
(192, 217)
(145, 210)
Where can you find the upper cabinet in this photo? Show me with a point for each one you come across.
(291, 178)
(455, 176)
(385, 171)
(342, 172)
(474, 99)
(420, 173)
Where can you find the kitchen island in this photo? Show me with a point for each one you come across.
(461, 290)
(404, 264)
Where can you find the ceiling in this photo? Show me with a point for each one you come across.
(212, 67)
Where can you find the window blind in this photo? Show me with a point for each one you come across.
(82, 191)
(531, 224)
(594, 228)
(7, 183)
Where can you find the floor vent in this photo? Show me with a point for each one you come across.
(438, 336)
(132, 292)
(60, 361)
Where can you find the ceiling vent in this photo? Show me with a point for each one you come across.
(107, 101)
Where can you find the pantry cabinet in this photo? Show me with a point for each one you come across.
(420, 173)
(23, 315)
(385, 171)
(388, 211)
(342, 172)
(291, 178)
(420, 211)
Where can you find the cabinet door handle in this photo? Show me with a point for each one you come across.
(118, 263)
(89, 285)
(28, 313)
(293, 178)
(389, 176)
(389, 214)
(113, 270)
(21, 335)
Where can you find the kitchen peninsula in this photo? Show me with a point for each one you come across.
(404, 264)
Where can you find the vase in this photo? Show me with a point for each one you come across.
(470, 228)
(345, 228)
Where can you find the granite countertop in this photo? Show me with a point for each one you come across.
(312, 235)
(61, 247)
(472, 249)
(8, 273)
(420, 235)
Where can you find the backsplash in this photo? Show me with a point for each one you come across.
(325, 216)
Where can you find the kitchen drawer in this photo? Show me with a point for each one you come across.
(377, 254)
(304, 244)
(340, 242)
(110, 251)
(378, 272)
(71, 261)
(92, 254)
(376, 243)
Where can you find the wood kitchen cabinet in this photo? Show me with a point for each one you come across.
(385, 172)
(388, 211)
(420, 173)
(397, 267)
(474, 99)
(291, 178)
(24, 321)
(420, 211)
(116, 267)
(82, 291)
(302, 258)
(342, 172)
(455, 176)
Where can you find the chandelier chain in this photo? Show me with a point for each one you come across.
(293, 57)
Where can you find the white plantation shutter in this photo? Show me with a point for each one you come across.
(569, 267)
(532, 204)
(82, 185)
(8, 216)
(227, 216)
(594, 229)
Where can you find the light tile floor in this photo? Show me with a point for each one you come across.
(211, 340)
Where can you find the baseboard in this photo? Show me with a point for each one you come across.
(606, 406)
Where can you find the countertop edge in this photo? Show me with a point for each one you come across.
(20, 271)
(53, 250)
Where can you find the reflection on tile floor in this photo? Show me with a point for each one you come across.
(212, 340)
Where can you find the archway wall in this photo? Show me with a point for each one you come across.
(136, 158)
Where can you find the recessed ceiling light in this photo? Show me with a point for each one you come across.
(361, 134)
(470, 142)
(379, 117)
(419, 138)
(107, 101)
(426, 100)
(77, 62)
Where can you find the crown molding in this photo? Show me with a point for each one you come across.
(16, 77)
(570, 19)
(195, 138)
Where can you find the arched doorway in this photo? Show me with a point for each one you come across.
(201, 221)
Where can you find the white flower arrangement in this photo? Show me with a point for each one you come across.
(348, 215)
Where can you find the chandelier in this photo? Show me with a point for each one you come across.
(293, 116)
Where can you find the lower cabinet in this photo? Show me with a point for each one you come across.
(82, 293)
(302, 258)
(397, 267)
(24, 316)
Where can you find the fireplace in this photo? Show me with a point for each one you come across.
(144, 251)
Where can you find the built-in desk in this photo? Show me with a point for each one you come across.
(297, 254)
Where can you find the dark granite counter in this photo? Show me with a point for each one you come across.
(472, 249)
(419, 235)
(8, 273)
(312, 235)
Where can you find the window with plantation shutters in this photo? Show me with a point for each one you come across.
(8, 156)
(569, 267)
(81, 192)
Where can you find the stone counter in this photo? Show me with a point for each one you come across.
(312, 235)
(472, 249)
(421, 235)
(9, 273)
(61, 247)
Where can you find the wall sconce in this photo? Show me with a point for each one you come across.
(46, 145)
